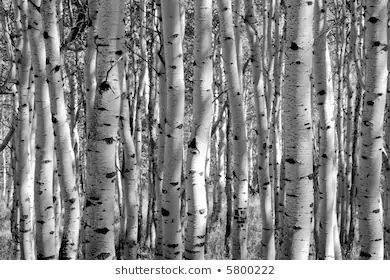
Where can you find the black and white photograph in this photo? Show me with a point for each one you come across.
(155, 130)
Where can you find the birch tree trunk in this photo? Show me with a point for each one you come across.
(386, 200)
(200, 138)
(103, 132)
(23, 172)
(43, 196)
(324, 91)
(297, 130)
(162, 99)
(130, 177)
(268, 232)
(240, 153)
(369, 206)
(90, 59)
(173, 152)
(64, 150)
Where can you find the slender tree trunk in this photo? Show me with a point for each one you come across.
(142, 93)
(45, 238)
(174, 124)
(162, 99)
(90, 60)
(130, 177)
(386, 200)
(229, 186)
(297, 130)
(24, 194)
(355, 50)
(370, 213)
(103, 132)
(200, 137)
(268, 232)
(64, 149)
(344, 227)
(240, 154)
(327, 173)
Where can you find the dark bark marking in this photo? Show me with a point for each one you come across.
(373, 20)
(104, 86)
(102, 230)
(294, 46)
(110, 175)
(103, 256)
(365, 254)
(109, 140)
(164, 212)
(321, 92)
(72, 200)
(291, 161)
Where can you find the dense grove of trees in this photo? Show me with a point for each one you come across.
(143, 127)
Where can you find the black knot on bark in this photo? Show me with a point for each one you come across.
(102, 230)
(294, 46)
(291, 160)
(104, 86)
(164, 212)
(110, 175)
(373, 19)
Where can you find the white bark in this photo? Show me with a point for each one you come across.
(297, 130)
(239, 135)
(200, 137)
(43, 196)
(103, 132)
(369, 207)
(322, 73)
(64, 150)
(174, 124)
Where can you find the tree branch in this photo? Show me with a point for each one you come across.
(7, 138)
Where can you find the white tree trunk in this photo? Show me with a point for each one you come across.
(64, 149)
(24, 169)
(297, 130)
(268, 231)
(43, 196)
(239, 135)
(322, 73)
(370, 213)
(200, 137)
(174, 118)
(103, 132)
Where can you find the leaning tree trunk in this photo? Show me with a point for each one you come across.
(200, 137)
(240, 153)
(369, 206)
(64, 149)
(322, 73)
(297, 130)
(173, 153)
(103, 132)
(43, 196)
